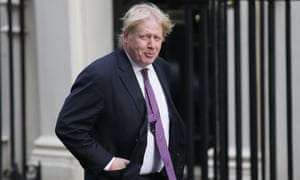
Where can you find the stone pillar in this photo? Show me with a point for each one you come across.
(69, 35)
(295, 28)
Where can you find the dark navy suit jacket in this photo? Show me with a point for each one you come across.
(105, 116)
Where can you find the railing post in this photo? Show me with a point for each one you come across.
(1, 168)
(289, 87)
(262, 90)
(13, 169)
(23, 86)
(204, 91)
(272, 90)
(238, 93)
(188, 86)
(253, 90)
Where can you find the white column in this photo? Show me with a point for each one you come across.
(69, 35)
(281, 115)
(295, 26)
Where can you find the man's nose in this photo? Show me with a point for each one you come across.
(150, 43)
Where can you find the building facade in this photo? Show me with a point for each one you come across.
(63, 36)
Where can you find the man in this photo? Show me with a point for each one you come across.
(104, 121)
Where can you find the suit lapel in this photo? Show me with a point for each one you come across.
(129, 80)
(164, 83)
(162, 79)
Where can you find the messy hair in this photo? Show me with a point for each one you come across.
(140, 12)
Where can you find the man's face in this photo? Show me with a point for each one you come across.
(144, 42)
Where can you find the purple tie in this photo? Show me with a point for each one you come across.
(156, 126)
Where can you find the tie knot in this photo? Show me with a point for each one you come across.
(145, 73)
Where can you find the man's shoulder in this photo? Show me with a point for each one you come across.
(106, 61)
(108, 57)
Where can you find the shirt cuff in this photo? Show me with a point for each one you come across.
(106, 168)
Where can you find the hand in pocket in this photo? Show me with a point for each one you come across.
(118, 164)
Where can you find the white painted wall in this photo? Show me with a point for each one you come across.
(69, 35)
(295, 7)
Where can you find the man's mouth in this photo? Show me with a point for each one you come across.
(149, 55)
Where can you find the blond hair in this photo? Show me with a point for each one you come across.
(140, 12)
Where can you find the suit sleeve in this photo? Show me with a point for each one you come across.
(81, 109)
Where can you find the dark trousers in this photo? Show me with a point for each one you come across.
(155, 176)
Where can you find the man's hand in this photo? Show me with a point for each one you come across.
(118, 164)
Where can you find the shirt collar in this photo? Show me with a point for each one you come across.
(135, 66)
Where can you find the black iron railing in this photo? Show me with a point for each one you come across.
(17, 170)
(213, 79)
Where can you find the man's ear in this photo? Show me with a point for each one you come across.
(125, 36)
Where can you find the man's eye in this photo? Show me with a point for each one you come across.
(157, 38)
(143, 37)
